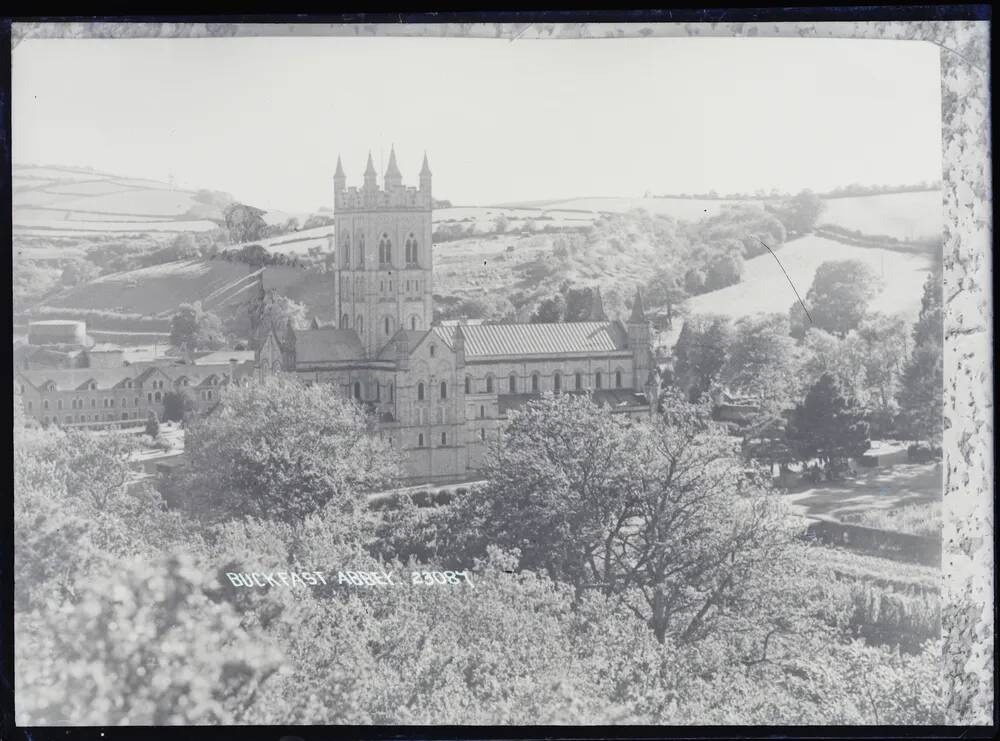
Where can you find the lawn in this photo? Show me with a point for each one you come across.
(872, 490)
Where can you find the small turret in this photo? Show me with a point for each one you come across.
(425, 176)
(638, 311)
(370, 174)
(339, 179)
(393, 177)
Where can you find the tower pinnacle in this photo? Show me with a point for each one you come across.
(393, 178)
(370, 173)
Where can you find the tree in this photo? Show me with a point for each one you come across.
(664, 289)
(800, 213)
(845, 359)
(648, 514)
(268, 310)
(826, 425)
(78, 272)
(921, 393)
(244, 223)
(550, 310)
(280, 450)
(178, 405)
(761, 362)
(145, 645)
(885, 346)
(838, 298)
(152, 425)
(75, 506)
(701, 353)
(500, 223)
(196, 329)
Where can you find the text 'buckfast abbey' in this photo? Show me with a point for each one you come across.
(442, 393)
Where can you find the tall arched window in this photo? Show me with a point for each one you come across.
(534, 382)
(392, 392)
(597, 380)
(482, 434)
(489, 384)
(618, 379)
(385, 250)
(420, 440)
(468, 384)
(413, 323)
(359, 324)
(444, 438)
(420, 391)
(387, 323)
(357, 390)
(579, 381)
(512, 383)
(444, 389)
(346, 249)
(557, 382)
(345, 322)
(482, 411)
(411, 250)
(361, 250)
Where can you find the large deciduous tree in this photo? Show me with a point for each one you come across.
(659, 516)
(196, 329)
(762, 362)
(827, 424)
(701, 352)
(281, 450)
(838, 298)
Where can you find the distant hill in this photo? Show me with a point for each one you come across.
(67, 201)
(914, 215)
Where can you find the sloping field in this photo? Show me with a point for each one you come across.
(910, 216)
(765, 289)
(159, 289)
(223, 288)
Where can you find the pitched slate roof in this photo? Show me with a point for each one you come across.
(108, 378)
(74, 378)
(327, 346)
(514, 340)
(223, 356)
(412, 337)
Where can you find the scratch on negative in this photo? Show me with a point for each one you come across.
(787, 278)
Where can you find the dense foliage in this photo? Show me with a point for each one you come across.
(621, 573)
(282, 450)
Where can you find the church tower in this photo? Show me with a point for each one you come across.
(384, 262)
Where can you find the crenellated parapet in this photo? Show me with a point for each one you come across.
(393, 195)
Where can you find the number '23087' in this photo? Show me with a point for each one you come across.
(440, 577)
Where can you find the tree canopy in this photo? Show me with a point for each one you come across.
(281, 450)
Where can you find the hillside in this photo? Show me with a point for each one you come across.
(222, 287)
(62, 201)
(907, 216)
(765, 288)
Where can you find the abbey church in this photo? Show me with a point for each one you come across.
(442, 393)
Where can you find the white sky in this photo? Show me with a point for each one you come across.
(264, 118)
